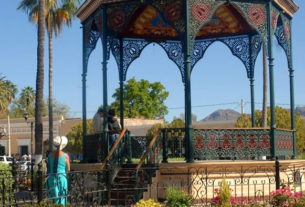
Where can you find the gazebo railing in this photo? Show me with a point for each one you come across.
(228, 144)
(284, 142)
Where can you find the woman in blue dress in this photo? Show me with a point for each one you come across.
(58, 166)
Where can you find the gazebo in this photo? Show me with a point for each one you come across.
(185, 29)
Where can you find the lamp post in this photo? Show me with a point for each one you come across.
(26, 116)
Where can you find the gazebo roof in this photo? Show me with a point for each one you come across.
(90, 6)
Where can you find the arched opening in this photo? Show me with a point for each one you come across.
(214, 82)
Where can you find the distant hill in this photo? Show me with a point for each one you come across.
(300, 110)
(222, 115)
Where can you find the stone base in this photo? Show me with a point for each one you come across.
(246, 179)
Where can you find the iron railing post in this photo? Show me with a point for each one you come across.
(32, 175)
(277, 173)
(39, 183)
(129, 150)
(164, 143)
(14, 174)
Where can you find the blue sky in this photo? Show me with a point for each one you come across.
(217, 80)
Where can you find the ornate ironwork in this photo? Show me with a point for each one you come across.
(91, 38)
(284, 142)
(256, 16)
(282, 34)
(175, 145)
(131, 50)
(239, 47)
(174, 52)
(200, 47)
(214, 144)
(255, 47)
(138, 146)
(201, 12)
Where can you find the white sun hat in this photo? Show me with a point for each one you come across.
(60, 141)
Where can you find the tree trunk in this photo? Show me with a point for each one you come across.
(50, 90)
(39, 79)
(265, 87)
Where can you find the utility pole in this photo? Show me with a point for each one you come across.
(242, 106)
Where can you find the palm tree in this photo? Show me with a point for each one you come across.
(265, 87)
(56, 16)
(27, 97)
(8, 91)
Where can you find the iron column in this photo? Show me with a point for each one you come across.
(84, 96)
(271, 82)
(105, 90)
(292, 107)
(121, 85)
(189, 148)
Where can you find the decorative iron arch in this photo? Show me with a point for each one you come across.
(244, 47)
(132, 49)
(283, 35)
(90, 40)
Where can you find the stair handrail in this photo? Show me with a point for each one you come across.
(113, 148)
(143, 157)
(144, 175)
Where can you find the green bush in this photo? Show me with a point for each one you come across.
(176, 198)
(7, 178)
(46, 204)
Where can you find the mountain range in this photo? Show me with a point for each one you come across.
(222, 115)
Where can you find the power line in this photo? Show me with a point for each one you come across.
(237, 104)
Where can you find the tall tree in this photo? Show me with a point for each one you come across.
(39, 79)
(142, 99)
(265, 87)
(57, 14)
(27, 98)
(8, 91)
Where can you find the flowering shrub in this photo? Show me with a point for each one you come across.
(224, 199)
(285, 197)
(282, 197)
(223, 196)
(176, 198)
(148, 203)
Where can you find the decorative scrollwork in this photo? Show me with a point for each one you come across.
(239, 47)
(283, 41)
(201, 12)
(174, 52)
(200, 47)
(233, 144)
(132, 49)
(256, 45)
(255, 16)
(91, 38)
(284, 142)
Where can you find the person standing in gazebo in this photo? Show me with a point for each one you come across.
(98, 121)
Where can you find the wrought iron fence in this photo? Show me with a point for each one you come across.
(138, 145)
(248, 184)
(248, 181)
(86, 188)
